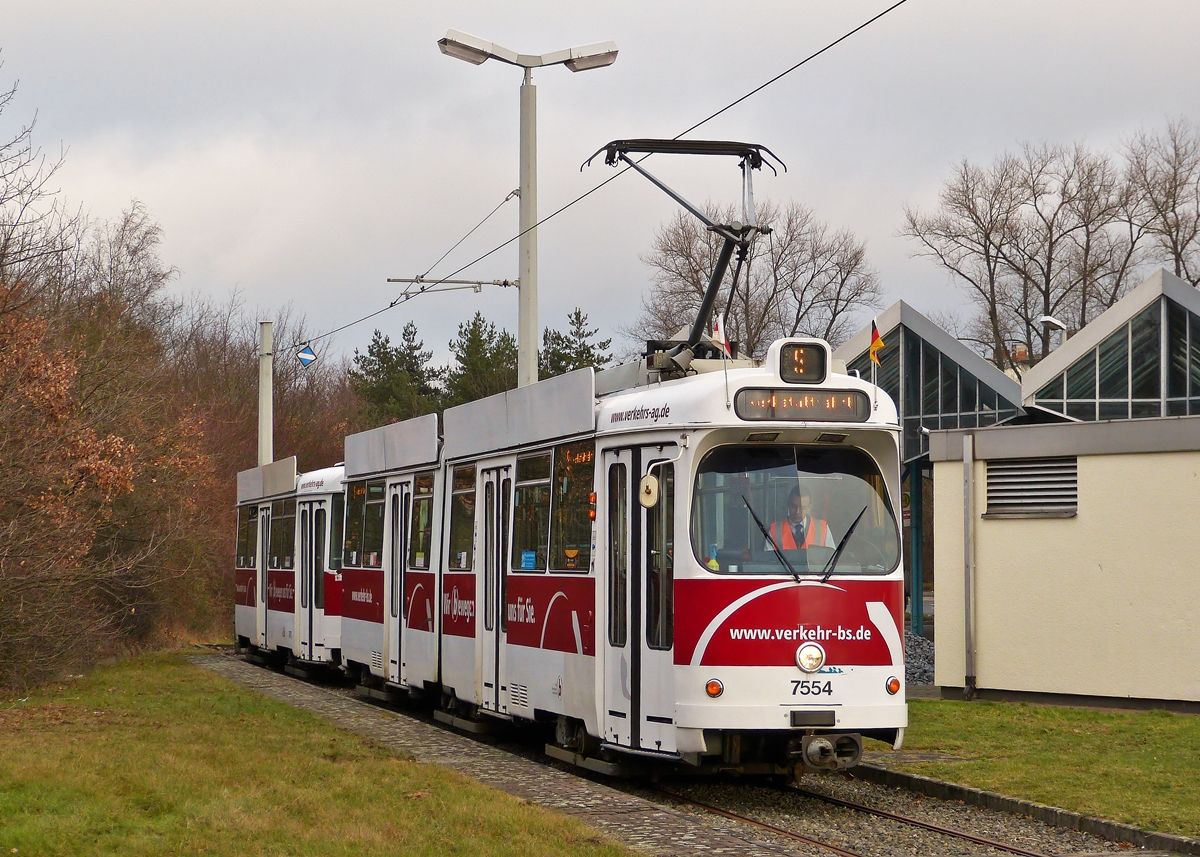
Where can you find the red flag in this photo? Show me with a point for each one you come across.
(876, 343)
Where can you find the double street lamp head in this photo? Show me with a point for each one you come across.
(475, 50)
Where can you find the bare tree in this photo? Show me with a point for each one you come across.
(1165, 171)
(967, 236)
(1052, 230)
(802, 279)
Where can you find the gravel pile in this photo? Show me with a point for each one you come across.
(918, 659)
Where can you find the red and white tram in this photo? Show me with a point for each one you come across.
(688, 557)
(288, 556)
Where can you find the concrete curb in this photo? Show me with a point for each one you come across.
(1051, 815)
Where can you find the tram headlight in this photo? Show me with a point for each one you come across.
(810, 657)
(714, 688)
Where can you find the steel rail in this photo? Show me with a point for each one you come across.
(904, 819)
(807, 840)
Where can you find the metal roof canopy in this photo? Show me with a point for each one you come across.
(409, 443)
(1160, 283)
(554, 408)
(269, 480)
(901, 313)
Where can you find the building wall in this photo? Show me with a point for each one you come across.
(1106, 603)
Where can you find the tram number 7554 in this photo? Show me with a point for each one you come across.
(812, 688)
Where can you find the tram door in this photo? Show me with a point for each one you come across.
(619, 711)
(497, 491)
(313, 528)
(264, 554)
(639, 709)
(399, 515)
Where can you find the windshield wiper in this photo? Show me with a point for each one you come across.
(783, 559)
(837, 552)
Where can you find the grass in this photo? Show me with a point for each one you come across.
(155, 756)
(1140, 768)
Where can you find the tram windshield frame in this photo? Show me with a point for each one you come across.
(736, 483)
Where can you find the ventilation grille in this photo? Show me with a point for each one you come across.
(377, 660)
(1033, 487)
(518, 695)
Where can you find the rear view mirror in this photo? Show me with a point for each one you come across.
(648, 491)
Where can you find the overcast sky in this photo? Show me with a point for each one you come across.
(304, 152)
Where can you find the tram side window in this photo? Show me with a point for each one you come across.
(247, 536)
(337, 521)
(618, 557)
(373, 520)
(531, 513)
(660, 563)
(421, 528)
(364, 524)
(462, 519)
(356, 502)
(571, 518)
(283, 534)
(319, 569)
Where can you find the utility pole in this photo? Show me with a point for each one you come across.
(266, 414)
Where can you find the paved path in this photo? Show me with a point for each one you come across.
(634, 821)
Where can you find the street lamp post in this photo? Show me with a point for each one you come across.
(475, 50)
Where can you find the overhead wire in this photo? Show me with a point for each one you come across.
(407, 296)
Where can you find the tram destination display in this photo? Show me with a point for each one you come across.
(849, 406)
(802, 364)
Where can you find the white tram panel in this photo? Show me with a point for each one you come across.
(518, 606)
(389, 608)
(319, 519)
(264, 613)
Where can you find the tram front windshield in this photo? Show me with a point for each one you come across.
(783, 509)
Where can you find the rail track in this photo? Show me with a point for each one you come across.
(858, 807)
(529, 747)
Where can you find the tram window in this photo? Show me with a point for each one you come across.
(489, 554)
(421, 527)
(319, 567)
(570, 523)
(618, 557)
(462, 520)
(397, 552)
(305, 557)
(337, 521)
(373, 518)
(806, 498)
(356, 501)
(283, 534)
(505, 496)
(531, 513)
(247, 536)
(660, 563)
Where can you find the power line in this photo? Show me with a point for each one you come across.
(511, 194)
(404, 298)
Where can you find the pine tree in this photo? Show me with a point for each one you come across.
(485, 362)
(575, 349)
(396, 382)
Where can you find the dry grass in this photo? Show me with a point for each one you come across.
(154, 756)
(1140, 768)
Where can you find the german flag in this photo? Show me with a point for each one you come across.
(876, 343)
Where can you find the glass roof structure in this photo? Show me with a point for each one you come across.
(1139, 359)
(935, 380)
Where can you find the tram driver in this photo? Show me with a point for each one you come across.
(800, 529)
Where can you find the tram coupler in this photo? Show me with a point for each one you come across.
(825, 752)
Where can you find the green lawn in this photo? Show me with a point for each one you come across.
(1140, 768)
(155, 756)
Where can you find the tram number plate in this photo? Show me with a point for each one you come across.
(812, 688)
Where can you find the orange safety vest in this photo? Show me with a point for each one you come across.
(789, 541)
